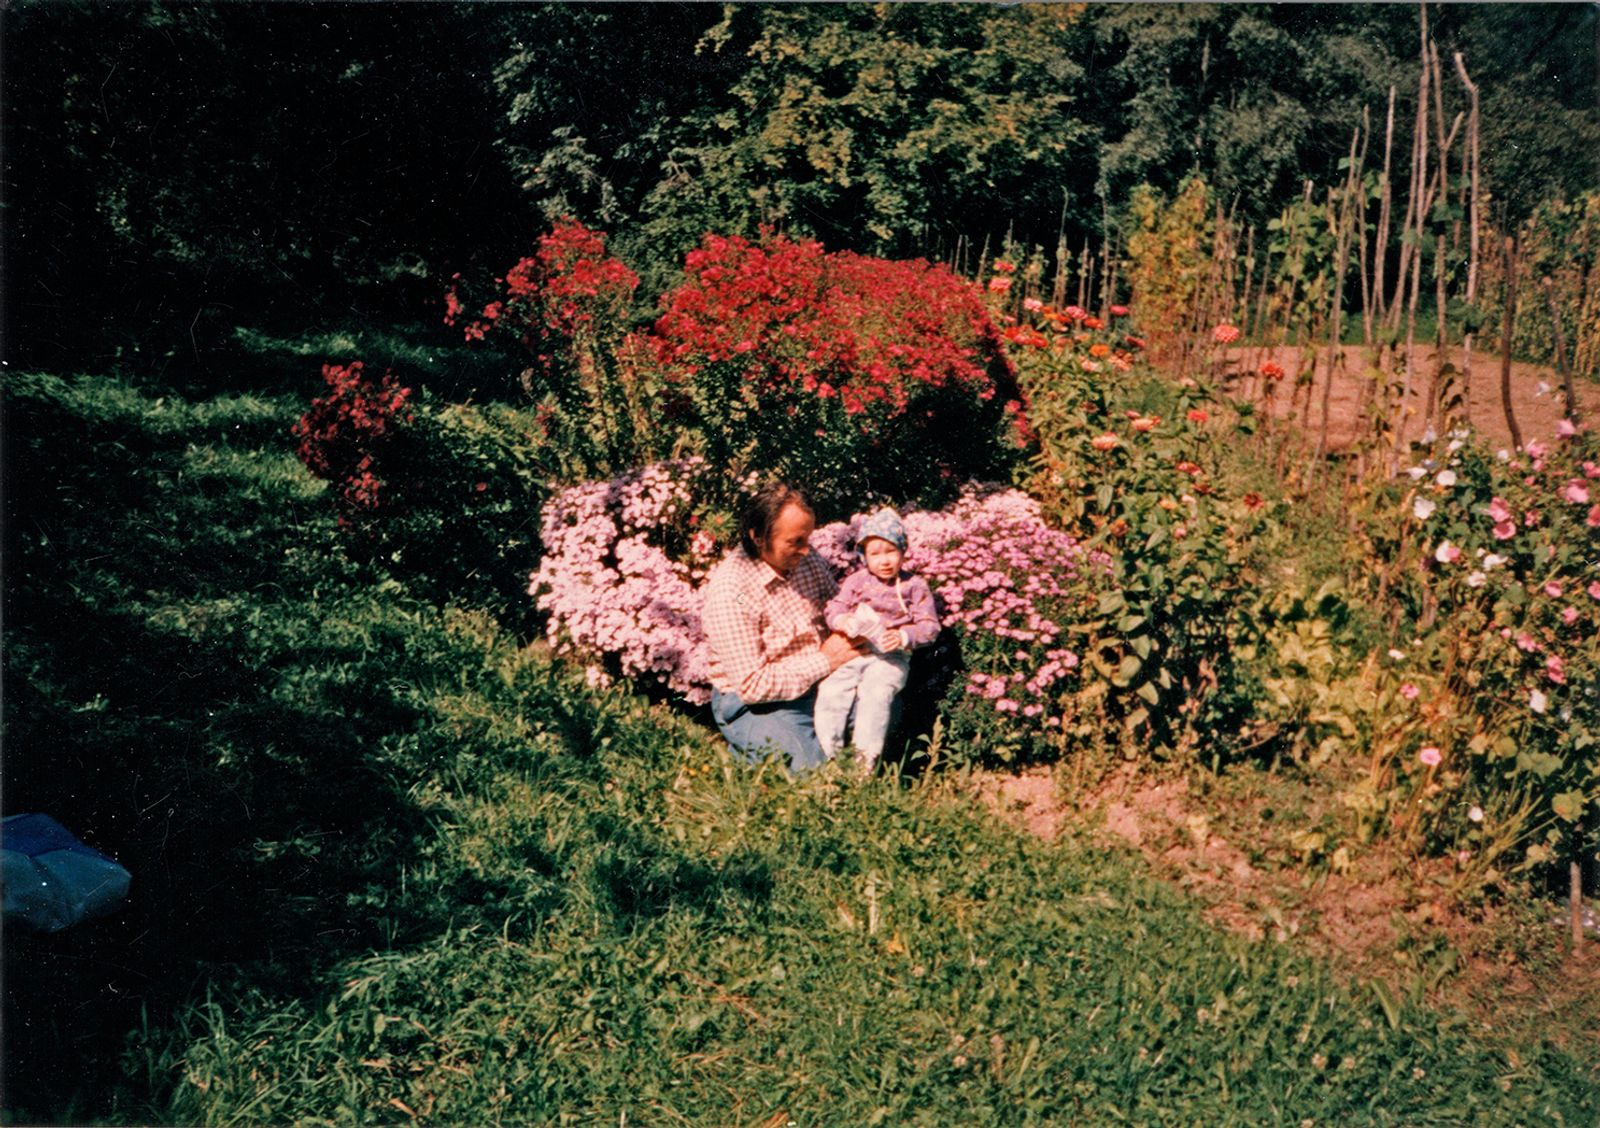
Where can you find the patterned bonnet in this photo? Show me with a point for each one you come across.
(885, 524)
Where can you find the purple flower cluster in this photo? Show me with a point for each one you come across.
(1002, 577)
(618, 601)
(611, 590)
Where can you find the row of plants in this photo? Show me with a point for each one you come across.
(394, 865)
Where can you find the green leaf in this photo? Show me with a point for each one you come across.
(1391, 1009)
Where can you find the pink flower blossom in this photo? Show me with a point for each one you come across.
(1593, 520)
(1565, 429)
(1535, 449)
(1555, 669)
(1499, 510)
(1225, 334)
(999, 285)
(1552, 588)
(1446, 553)
(1591, 470)
(1409, 691)
(1569, 615)
(1504, 530)
(1594, 589)
(1576, 493)
(1430, 756)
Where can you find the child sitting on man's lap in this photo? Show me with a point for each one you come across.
(894, 611)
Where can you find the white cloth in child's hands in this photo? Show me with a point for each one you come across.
(865, 622)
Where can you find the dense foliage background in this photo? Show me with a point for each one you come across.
(177, 172)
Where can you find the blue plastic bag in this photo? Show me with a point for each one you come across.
(50, 880)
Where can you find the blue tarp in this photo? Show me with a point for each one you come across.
(52, 881)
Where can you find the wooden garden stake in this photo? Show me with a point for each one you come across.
(1575, 902)
(1474, 205)
(1561, 348)
(1510, 258)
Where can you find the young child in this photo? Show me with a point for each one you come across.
(894, 611)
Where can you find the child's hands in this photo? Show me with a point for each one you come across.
(891, 640)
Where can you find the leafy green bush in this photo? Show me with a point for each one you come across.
(444, 495)
(1491, 746)
(1129, 463)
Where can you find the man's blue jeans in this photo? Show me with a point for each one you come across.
(770, 728)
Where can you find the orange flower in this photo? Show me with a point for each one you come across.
(1195, 415)
(1146, 423)
(1105, 442)
(1099, 348)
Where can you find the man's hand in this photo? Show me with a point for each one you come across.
(838, 650)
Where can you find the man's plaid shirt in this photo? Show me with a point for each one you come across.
(766, 630)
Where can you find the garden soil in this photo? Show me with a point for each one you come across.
(1536, 394)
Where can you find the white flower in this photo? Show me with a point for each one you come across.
(1493, 560)
(1455, 445)
(1397, 655)
(1422, 508)
(1416, 473)
(1476, 814)
(1429, 437)
(1502, 455)
(1446, 478)
(1537, 701)
(1542, 390)
(1446, 553)
(1476, 580)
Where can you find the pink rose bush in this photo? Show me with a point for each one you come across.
(1501, 568)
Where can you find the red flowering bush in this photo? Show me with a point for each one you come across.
(569, 304)
(858, 376)
(343, 432)
(442, 496)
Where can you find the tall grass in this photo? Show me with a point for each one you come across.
(390, 866)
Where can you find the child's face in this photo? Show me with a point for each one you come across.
(883, 558)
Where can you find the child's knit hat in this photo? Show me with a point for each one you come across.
(885, 524)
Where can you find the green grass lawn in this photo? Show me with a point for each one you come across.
(390, 865)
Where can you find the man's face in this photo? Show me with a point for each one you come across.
(790, 540)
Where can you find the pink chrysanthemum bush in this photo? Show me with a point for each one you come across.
(625, 560)
(1491, 748)
(621, 574)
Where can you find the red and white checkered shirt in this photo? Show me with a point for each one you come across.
(766, 630)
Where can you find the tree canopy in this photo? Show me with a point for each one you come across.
(171, 170)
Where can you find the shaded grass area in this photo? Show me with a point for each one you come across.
(388, 865)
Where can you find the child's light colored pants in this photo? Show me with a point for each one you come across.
(870, 684)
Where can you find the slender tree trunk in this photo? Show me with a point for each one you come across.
(1510, 259)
